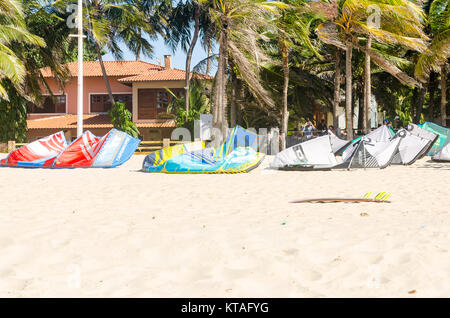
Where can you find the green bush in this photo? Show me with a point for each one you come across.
(122, 119)
(198, 104)
(13, 116)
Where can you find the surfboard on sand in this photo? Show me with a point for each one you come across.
(381, 197)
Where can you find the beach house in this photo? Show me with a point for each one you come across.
(140, 85)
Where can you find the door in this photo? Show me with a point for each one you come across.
(146, 103)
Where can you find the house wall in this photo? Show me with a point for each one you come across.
(91, 85)
(96, 85)
(155, 84)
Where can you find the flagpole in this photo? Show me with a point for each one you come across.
(80, 70)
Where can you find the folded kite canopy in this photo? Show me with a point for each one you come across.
(112, 150)
(443, 155)
(39, 153)
(314, 154)
(378, 149)
(415, 144)
(237, 154)
(443, 135)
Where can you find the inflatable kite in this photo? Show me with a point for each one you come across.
(87, 151)
(443, 155)
(237, 154)
(443, 135)
(415, 144)
(314, 154)
(378, 149)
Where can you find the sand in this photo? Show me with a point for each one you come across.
(123, 233)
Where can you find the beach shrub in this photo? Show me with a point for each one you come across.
(13, 116)
(199, 103)
(122, 120)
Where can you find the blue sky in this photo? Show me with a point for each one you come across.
(160, 49)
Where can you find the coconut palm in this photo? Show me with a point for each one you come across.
(46, 22)
(181, 18)
(136, 36)
(238, 24)
(292, 27)
(437, 59)
(107, 22)
(401, 24)
(13, 30)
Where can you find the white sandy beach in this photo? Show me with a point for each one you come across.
(123, 233)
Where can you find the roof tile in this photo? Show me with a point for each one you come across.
(133, 71)
(161, 75)
(113, 68)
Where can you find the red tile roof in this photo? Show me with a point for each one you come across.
(133, 71)
(89, 122)
(113, 68)
(162, 75)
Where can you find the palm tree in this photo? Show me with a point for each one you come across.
(330, 11)
(108, 22)
(189, 53)
(13, 30)
(136, 36)
(238, 24)
(401, 24)
(367, 86)
(181, 18)
(437, 59)
(43, 21)
(292, 26)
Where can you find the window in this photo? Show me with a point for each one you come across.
(100, 103)
(51, 104)
(153, 101)
(162, 100)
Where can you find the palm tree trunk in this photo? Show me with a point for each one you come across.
(337, 89)
(367, 87)
(208, 62)
(389, 67)
(285, 115)
(418, 103)
(105, 76)
(224, 88)
(187, 80)
(233, 105)
(138, 46)
(361, 107)
(240, 98)
(444, 96)
(219, 99)
(348, 91)
(432, 90)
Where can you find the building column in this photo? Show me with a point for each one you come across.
(134, 97)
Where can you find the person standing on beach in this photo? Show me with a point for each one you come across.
(308, 129)
(398, 122)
